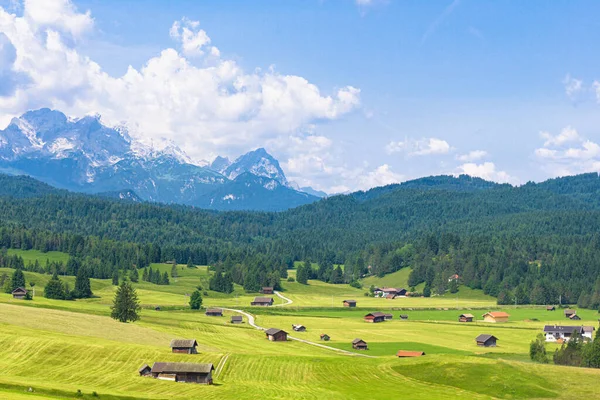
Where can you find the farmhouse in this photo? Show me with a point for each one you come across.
(349, 303)
(495, 316)
(375, 317)
(385, 292)
(262, 301)
(214, 312)
(184, 346)
(554, 333)
(403, 316)
(359, 344)
(236, 319)
(19, 293)
(466, 318)
(486, 340)
(575, 317)
(276, 335)
(325, 337)
(550, 308)
(145, 370)
(569, 312)
(387, 316)
(299, 328)
(182, 372)
(406, 353)
(266, 290)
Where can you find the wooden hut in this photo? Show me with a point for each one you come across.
(466, 318)
(184, 346)
(299, 328)
(486, 340)
(575, 317)
(266, 290)
(324, 337)
(349, 303)
(145, 370)
(262, 301)
(374, 317)
(569, 312)
(403, 316)
(387, 317)
(19, 293)
(183, 372)
(214, 312)
(495, 316)
(236, 319)
(359, 344)
(276, 335)
(550, 308)
(407, 353)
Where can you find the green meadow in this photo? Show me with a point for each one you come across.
(50, 349)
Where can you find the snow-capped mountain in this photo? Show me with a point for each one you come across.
(85, 155)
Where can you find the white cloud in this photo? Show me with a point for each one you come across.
(487, 171)
(572, 86)
(422, 147)
(566, 135)
(215, 108)
(472, 155)
(381, 176)
(568, 153)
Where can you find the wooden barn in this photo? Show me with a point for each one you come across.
(262, 301)
(299, 328)
(550, 308)
(486, 340)
(569, 312)
(236, 319)
(183, 372)
(466, 318)
(387, 316)
(214, 312)
(575, 317)
(184, 346)
(266, 290)
(359, 344)
(403, 316)
(375, 317)
(325, 337)
(276, 335)
(349, 303)
(495, 316)
(146, 370)
(19, 293)
(407, 353)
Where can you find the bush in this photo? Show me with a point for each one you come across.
(291, 279)
(196, 300)
(356, 284)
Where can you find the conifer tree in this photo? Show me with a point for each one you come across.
(190, 264)
(54, 288)
(126, 305)
(115, 278)
(196, 300)
(18, 279)
(83, 289)
(134, 275)
(174, 271)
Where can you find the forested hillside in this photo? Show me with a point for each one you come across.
(532, 243)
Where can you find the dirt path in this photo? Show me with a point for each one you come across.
(252, 323)
(289, 301)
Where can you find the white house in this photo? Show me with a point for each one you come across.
(554, 332)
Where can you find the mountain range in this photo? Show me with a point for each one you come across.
(86, 156)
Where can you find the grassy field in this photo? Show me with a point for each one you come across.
(50, 349)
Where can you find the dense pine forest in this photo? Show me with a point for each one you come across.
(530, 244)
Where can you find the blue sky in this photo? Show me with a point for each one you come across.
(382, 91)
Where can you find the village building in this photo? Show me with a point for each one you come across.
(266, 290)
(407, 353)
(359, 344)
(157, 308)
(575, 317)
(19, 293)
(180, 372)
(556, 333)
(466, 318)
(569, 312)
(324, 337)
(375, 317)
(299, 328)
(145, 370)
(486, 340)
(349, 303)
(184, 346)
(214, 312)
(276, 335)
(262, 301)
(495, 316)
(387, 316)
(236, 319)
(390, 296)
(385, 292)
(550, 308)
(403, 316)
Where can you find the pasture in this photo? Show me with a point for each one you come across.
(50, 349)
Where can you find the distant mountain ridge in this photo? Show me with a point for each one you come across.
(86, 156)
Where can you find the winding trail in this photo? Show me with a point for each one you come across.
(289, 301)
(252, 323)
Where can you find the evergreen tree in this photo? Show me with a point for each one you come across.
(196, 300)
(537, 349)
(174, 271)
(115, 278)
(164, 280)
(54, 288)
(134, 275)
(18, 279)
(302, 275)
(337, 276)
(190, 264)
(126, 305)
(145, 275)
(453, 286)
(427, 291)
(83, 289)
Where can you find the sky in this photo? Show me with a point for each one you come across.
(346, 94)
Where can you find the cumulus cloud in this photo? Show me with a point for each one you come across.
(472, 155)
(568, 153)
(572, 86)
(487, 171)
(215, 108)
(380, 176)
(422, 147)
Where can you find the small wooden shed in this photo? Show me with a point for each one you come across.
(266, 290)
(236, 319)
(214, 312)
(495, 316)
(349, 303)
(403, 316)
(550, 308)
(486, 340)
(575, 317)
(145, 370)
(262, 301)
(184, 346)
(19, 293)
(276, 335)
(569, 312)
(375, 317)
(324, 337)
(183, 372)
(387, 316)
(359, 344)
(407, 353)
(299, 328)
(466, 318)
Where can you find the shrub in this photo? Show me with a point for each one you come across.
(291, 279)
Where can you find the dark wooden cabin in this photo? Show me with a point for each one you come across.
(375, 317)
(262, 301)
(146, 370)
(236, 319)
(266, 290)
(466, 318)
(550, 308)
(359, 344)
(299, 328)
(349, 303)
(214, 312)
(569, 312)
(575, 317)
(403, 316)
(184, 346)
(19, 293)
(325, 337)
(387, 316)
(276, 335)
(486, 340)
(183, 372)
